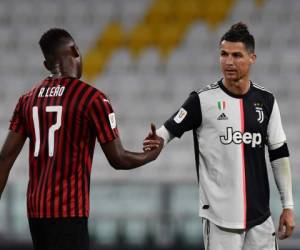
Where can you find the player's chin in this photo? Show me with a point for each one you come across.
(231, 77)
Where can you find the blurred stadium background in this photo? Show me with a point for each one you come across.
(147, 55)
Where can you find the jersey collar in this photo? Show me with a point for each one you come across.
(220, 83)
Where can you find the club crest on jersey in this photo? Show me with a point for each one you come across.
(237, 137)
(260, 112)
(112, 120)
(180, 115)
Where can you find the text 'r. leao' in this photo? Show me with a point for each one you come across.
(52, 91)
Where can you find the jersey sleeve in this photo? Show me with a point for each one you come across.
(102, 119)
(188, 117)
(17, 122)
(275, 130)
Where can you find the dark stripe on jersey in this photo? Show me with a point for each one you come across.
(65, 164)
(257, 184)
(56, 173)
(77, 133)
(71, 191)
(42, 162)
(96, 111)
(107, 126)
(42, 210)
(43, 192)
(58, 204)
(82, 192)
(88, 173)
(45, 155)
(278, 153)
(73, 87)
(43, 127)
(28, 111)
(39, 177)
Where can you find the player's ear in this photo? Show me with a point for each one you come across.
(75, 51)
(47, 66)
(252, 58)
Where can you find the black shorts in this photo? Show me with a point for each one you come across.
(60, 234)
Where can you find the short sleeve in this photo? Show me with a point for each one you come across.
(276, 133)
(188, 117)
(102, 119)
(17, 122)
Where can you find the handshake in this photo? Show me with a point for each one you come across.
(153, 141)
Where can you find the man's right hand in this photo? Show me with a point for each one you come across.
(153, 141)
(119, 158)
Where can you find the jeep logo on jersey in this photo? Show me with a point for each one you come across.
(260, 112)
(237, 137)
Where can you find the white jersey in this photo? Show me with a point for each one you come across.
(232, 133)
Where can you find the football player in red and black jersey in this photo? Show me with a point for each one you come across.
(62, 117)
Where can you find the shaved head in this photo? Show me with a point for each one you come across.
(53, 39)
(62, 56)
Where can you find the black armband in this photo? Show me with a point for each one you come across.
(278, 153)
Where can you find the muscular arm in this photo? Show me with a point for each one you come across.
(13, 144)
(119, 158)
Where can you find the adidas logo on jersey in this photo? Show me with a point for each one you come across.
(237, 137)
(222, 117)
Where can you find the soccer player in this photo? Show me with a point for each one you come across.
(62, 117)
(233, 120)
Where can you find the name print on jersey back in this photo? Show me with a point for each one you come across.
(237, 137)
(52, 91)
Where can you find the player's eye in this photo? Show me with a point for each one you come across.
(223, 53)
(237, 55)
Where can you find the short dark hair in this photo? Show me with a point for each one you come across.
(52, 39)
(239, 33)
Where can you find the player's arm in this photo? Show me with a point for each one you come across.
(188, 117)
(103, 123)
(121, 159)
(13, 144)
(280, 162)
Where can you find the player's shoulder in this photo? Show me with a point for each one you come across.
(27, 94)
(208, 88)
(97, 93)
(259, 88)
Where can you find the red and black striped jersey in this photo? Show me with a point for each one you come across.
(62, 118)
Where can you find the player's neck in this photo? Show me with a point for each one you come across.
(59, 74)
(239, 87)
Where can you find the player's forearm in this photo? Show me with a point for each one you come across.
(130, 160)
(9, 153)
(5, 167)
(283, 178)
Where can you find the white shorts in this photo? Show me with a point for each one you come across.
(260, 237)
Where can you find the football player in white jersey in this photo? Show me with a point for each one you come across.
(234, 120)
